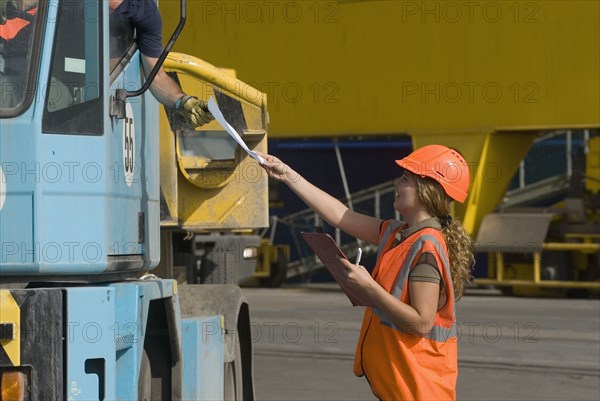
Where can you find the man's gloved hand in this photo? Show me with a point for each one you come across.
(4, 4)
(193, 111)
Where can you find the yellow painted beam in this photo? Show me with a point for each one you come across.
(592, 166)
(334, 68)
(542, 283)
(572, 246)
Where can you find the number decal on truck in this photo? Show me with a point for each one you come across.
(128, 146)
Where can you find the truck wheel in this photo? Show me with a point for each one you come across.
(278, 272)
(145, 380)
(234, 386)
(155, 375)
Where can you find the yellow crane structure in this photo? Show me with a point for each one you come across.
(484, 77)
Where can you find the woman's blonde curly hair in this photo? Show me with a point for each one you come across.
(459, 243)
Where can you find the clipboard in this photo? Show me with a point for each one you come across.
(326, 249)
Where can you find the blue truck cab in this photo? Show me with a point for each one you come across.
(79, 226)
(80, 188)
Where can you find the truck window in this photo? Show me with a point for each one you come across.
(20, 43)
(74, 95)
(121, 45)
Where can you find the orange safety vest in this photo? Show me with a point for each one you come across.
(13, 26)
(399, 365)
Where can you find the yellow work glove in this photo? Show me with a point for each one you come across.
(3, 9)
(193, 111)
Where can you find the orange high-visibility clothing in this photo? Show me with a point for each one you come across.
(399, 365)
(13, 26)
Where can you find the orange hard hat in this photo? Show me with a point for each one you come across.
(442, 164)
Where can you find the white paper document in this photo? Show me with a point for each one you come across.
(214, 110)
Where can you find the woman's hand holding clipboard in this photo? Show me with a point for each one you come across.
(330, 254)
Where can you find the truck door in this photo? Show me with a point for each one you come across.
(131, 186)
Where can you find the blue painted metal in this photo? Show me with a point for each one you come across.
(108, 322)
(203, 358)
(19, 162)
(129, 328)
(130, 315)
(90, 319)
(69, 208)
(72, 209)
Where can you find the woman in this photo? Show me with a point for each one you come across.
(408, 343)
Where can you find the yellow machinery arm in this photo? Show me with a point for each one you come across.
(211, 191)
(197, 165)
(335, 68)
(203, 71)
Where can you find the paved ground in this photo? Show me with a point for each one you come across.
(509, 348)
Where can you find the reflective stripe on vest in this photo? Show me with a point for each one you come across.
(437, 333)
(392, 226)
(400, 365)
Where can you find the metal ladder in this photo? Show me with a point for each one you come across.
(557, 152)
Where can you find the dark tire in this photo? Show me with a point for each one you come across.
(278, 272)
(145, 380)
(155, 374)
(234, 386)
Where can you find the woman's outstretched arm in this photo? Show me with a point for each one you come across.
(329, 208)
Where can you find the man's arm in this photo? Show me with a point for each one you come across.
(148, 25)
(168, 92)
(164, 88)
(29, 4)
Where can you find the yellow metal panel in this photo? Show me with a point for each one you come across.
(205, 194)
(11, 313)
(241, 204)
(386, 67)
(592, 165)
(570, 246)
(168, 170)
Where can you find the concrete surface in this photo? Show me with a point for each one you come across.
(509, 348)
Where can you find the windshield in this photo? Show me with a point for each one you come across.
(20, 35)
